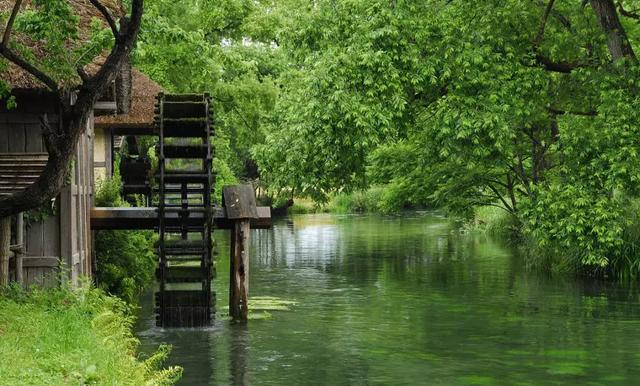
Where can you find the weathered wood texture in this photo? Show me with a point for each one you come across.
(239, 202)
(5, 243)
(239, 271)
(38, 271)
(103, 218)
(19, 170)
(76, 201)
(19, 271)
(65, 234)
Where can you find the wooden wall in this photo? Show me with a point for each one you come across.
(76, 201)
(62, 241)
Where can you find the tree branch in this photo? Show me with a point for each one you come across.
(630, 14)
(105, 13)
(50, 136)
(83, 75)
(62, 142)
(28, 67)
(562, 67)
(500, 197)
(7, 30)
(590, 113)
(543, 24)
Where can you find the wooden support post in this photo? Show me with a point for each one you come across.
(240, 204)
(20, 242)
(5, 241)
(239, 284)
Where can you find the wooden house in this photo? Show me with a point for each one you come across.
(56, 242)
(130, 120)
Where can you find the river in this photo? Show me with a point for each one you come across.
(405, 300)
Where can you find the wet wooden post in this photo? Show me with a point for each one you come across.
(240, 205)
(5, 249)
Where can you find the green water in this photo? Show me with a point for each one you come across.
(406, 301)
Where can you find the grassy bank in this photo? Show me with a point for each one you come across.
(72, 337)
(622, 262)
(377, 199)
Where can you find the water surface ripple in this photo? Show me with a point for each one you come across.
(405, 301)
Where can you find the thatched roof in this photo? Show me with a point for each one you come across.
(143, 94)
(16, 77)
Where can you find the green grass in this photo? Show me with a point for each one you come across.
(494, 221)
(367, 201)
(72, 337)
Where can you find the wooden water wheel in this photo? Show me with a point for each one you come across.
(184, 187)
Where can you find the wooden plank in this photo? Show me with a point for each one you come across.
(40, 261)
(33, 134)
(142, 130)
(239, 201)
(17, 143)
(51, 234)
(184, 98)
(103, 218)
(35, 239)
(4, 138)
(5, 241)
(102, 107)
(19, 240)
(22, 155)
(185, 109)
(66, 231)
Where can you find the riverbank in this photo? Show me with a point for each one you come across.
(63, 336)
(376, 199)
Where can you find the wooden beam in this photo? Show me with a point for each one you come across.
(240, 202)
(146, 130)
(103, 218)
(105, 107)
(5, 241)
(20, 241)
(239, 271)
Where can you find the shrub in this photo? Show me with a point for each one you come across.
(73, 336)
(125, 259)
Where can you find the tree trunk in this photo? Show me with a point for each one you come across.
(61, 153)
(5, 241)
(609, 22)
(61, 141)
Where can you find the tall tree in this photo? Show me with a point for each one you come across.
(56, 19)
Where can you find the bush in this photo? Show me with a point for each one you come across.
(73, 336)
(495, 221)
(126, 260)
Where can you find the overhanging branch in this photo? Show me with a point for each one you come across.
(589, 113)
(543, 24)
(7, 30)
(630, 14)
(562, 67)
(28, 67)
(105, 13)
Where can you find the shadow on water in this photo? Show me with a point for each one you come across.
(406, 300)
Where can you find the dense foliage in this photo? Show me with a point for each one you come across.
(216, 47)
(125, 259)
(528, 106)
(73, 337)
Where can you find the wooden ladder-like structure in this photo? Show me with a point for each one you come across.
(185, 185)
